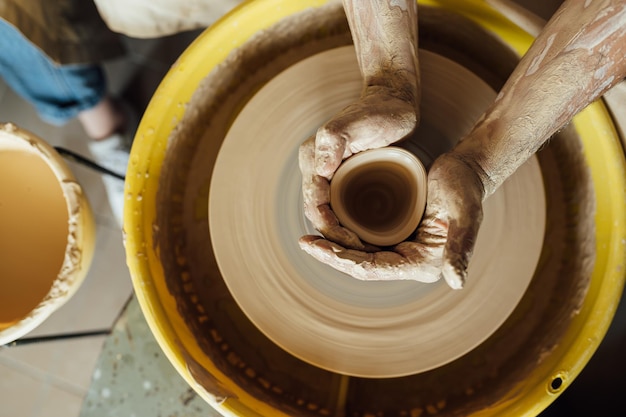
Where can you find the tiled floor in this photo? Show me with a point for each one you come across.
(51, 379)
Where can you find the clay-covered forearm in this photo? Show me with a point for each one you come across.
(580, 54)
(385, 37)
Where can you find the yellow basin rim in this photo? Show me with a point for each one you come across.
(602, 152)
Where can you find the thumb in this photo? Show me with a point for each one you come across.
(330, 147)
(459, 248)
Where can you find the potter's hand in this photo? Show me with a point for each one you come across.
(583, 46)
(378, 119)
(444, 240)
(385, 40)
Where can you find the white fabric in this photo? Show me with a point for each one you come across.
(113, 154)
(154, 18)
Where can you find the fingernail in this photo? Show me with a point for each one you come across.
(455, 280)
(306, 240)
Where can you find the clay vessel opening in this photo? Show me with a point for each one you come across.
(379, 196)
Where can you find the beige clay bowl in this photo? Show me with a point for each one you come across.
(47, 232)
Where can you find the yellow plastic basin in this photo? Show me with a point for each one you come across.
(210, 345)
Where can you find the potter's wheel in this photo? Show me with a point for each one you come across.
(533, 355)
(370, 329)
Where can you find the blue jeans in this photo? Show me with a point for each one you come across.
(58, 92)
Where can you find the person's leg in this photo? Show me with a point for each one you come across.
(58, 93)
(62, 93)
(103, 120)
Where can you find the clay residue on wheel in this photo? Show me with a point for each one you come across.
(235, 347)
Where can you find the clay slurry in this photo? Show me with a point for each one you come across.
(33, 233)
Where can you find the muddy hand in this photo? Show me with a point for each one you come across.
(378, 119)
(385, 40)
(584, 48)
(444, 240)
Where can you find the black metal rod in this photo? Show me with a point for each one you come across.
(56, 337)
(71, 335)
(73, 156)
